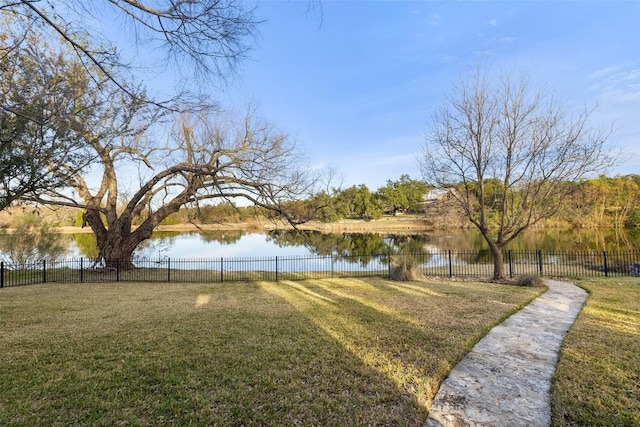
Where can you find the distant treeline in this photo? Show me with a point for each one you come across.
(603, 202)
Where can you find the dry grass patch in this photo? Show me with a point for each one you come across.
(597, 381)
(317, 352)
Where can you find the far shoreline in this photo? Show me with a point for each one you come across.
(396, 225)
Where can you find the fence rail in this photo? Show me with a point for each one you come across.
(443, 263)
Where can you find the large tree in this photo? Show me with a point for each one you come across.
(358, 202)
(54, 53)
(206, 157)
(513, 151)
(406, 195)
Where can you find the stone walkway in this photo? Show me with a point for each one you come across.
(505, 380)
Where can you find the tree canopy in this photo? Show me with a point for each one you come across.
(143, 161)
(62, 61)
(406, 194)
(513, 151)
(45, 96)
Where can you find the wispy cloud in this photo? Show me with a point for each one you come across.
(603, 72)
(618, 74)
(618, 84)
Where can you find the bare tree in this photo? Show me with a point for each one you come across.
(145, 173)
(203, 39)
(54, 56)
(206, 157)
(512, 151)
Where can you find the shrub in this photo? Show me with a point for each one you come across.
(404, 268)
(529, 280)
(170, 220)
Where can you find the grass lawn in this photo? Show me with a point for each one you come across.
(597, 381)
(316, 352)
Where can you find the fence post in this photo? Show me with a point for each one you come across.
(1, 274)
(276, 268)
(389, 262)
(221, 269)
(450, 264)
(168, 269)
(510, 263)
(44, 271)
(606, 264)
(81, 269)
(117, 269)
(540, 262)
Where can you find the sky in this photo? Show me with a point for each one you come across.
(356, 84)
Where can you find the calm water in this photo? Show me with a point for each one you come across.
(235, 243)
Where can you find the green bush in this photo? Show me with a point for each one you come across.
(170, 220)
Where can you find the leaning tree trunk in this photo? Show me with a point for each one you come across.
(121, 242)
(116, 242)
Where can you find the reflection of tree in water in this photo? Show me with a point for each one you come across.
(409, 246)
(224, 237)
(467, 247)
(315, 242)
(86, 244)
(576, 240)
(546, 240)
(360, 248)
(162, 242)
(480, 256)
(352, 247)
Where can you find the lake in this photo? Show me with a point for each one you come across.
(237, 243)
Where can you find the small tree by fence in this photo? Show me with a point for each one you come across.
(442, 264)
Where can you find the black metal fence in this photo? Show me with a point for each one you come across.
(442, 263)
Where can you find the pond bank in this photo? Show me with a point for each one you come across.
(395, 225)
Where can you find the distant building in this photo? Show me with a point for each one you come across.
(437, 194)
(442, 210)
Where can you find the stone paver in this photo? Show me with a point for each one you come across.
(505, 380)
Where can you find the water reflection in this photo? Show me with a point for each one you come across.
(356, 247)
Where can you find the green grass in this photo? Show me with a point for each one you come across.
(597, 381)
(317, 352)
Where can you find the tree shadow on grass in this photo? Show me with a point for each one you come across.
(408, 358)
(318, 352)
(245, 356)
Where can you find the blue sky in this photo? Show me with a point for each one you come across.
(357, 85)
